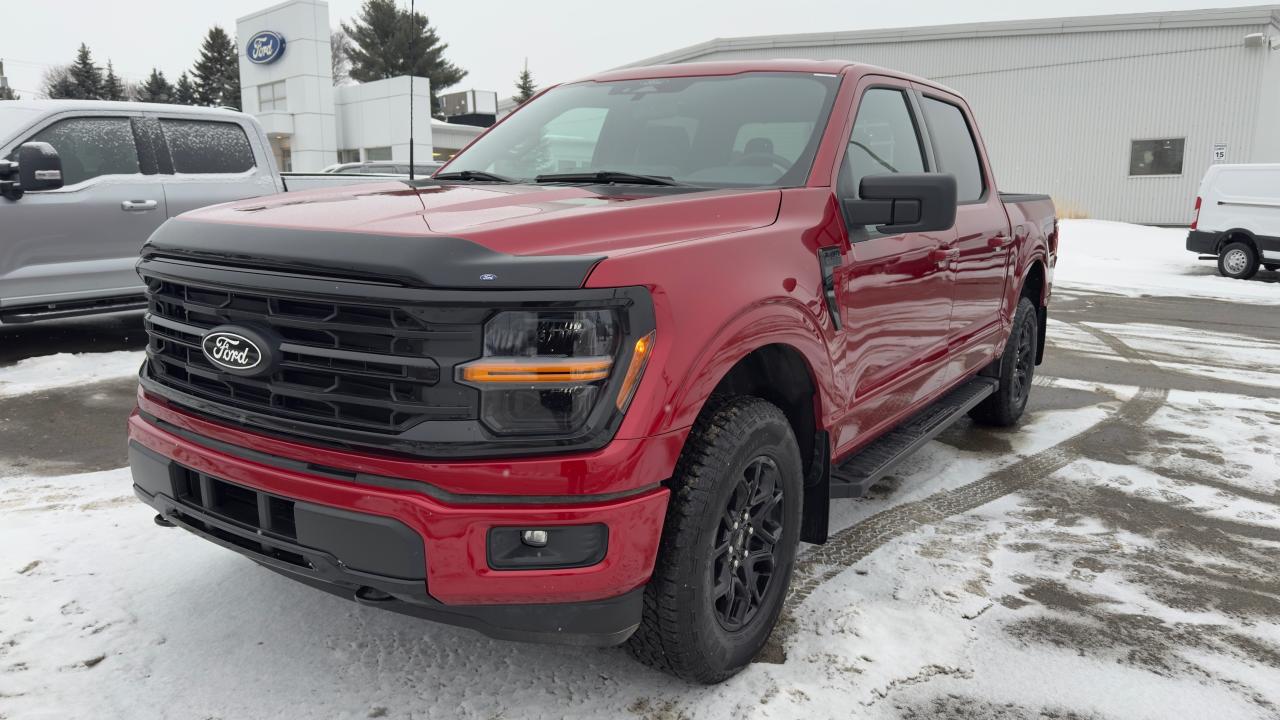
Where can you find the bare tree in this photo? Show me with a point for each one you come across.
(339, 45)
(56, 82)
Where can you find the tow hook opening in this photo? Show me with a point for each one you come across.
(162, 521)
(368, 594)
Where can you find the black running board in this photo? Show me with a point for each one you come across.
(853, 477)
(35, 313)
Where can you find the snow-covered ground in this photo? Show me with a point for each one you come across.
(1118, 556)
(52, 371)
(1136, 260)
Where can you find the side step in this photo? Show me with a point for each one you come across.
(33, 313)
(856, 475)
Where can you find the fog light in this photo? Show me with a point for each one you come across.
(546, 548)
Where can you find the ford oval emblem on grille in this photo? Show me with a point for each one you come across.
(233, 351)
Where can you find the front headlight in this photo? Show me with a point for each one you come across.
(544, 371)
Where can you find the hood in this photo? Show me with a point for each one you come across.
(530, 236)
(515, 219)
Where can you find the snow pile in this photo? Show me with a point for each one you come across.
(1136, 260)
(65, 369)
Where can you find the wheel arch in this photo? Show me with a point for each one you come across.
(1226, 237)
(1034, 286)
(780, 357)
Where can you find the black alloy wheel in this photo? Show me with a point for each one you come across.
(747, 544)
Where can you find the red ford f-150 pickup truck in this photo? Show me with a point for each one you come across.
(597, 379)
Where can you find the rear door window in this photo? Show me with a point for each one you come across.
(955, 148)
(92, 147)
(206, 147)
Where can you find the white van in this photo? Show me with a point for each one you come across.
(1238, 219)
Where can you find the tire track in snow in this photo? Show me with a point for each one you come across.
(848, 546)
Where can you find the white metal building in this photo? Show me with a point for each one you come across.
(1116, 116)
(286, 81)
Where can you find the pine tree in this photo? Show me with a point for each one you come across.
(184, 92)
(86, 76)
(231, 75)
(156, 89)
(217, 72)
(525, 88)
(387, 41)
(112, 87)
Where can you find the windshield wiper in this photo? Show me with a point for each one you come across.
(607, 176)
(473, 175)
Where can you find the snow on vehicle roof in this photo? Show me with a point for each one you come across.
(64, 105)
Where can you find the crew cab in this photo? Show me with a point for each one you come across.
(1237, 219)
(596, 380)
(69, 247)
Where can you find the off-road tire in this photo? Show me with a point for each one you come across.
(683, 630)
(1003, 407)
(1238, 260)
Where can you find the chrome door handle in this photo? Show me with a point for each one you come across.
(138, 205)
(944, 256)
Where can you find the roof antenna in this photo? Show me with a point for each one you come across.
(413, 62)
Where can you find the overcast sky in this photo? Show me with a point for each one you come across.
(562, 39)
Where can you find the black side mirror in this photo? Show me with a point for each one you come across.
(38, 168)
(904, 202)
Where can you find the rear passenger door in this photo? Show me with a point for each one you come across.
(983, 242)
(80, 241)
(209, 161)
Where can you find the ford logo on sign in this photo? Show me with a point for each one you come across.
(265, 47)
(235, 352)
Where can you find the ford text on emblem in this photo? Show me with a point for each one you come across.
(231, 351)
(265, 47)
(488, 276)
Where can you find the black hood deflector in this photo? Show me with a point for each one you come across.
(410, 260)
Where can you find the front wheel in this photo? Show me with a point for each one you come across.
(1238, 260)
(1003, 407)
(728, 545)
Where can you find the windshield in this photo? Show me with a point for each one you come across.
(752, 129)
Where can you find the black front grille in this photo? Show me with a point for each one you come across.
(367, 367)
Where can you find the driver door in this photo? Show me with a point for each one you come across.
(80, 242)
(895, 290)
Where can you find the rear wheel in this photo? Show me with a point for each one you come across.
(1003, 407)
(728, 545)
(1238, 260)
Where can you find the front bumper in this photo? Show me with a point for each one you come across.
(400, 545)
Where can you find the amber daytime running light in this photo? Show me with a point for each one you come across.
(543, 371)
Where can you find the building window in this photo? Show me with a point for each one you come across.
(348, 156)
(1156, 157)
(377, 154)
(271, 97)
